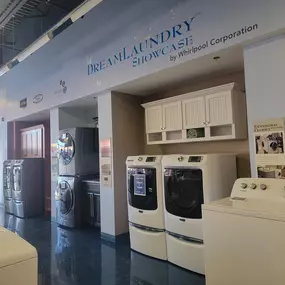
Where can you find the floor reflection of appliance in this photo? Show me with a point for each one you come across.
(189, 181)
(19, 226)
(145, 272)
(78, 151)
(7, 185)
(65, 254)
(28, 187)
(145, 207)
(244, 234)
(69, 201)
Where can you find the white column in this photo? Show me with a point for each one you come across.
(264, 77)
(121, 118)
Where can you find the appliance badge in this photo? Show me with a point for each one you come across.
(23, 103)
(38, 98)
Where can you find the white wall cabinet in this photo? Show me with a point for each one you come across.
(217, 113)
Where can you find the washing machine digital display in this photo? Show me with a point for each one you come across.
(139, 185)
(142, 189)
(65, 148)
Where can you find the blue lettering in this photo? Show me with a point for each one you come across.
(165, 52)
(189, 40)
(181, 44)
(90, 69)
(96, 67)
(134, 50)
(173, 47)
(118, 57)
(156, 53)
(110, 63)
(135, 61)
(188, 23)
(125, 53)
(155, 41)
(102, 65)
(165, 36)
(175, 30)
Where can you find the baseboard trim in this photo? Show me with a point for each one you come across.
(119, 238)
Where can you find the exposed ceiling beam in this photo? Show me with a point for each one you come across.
(13, 8)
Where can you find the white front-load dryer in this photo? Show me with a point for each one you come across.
(188, 182)
(145, 205)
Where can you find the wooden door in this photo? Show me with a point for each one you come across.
(219, 109)
(172, 116)
(193, 111)
(153, 119)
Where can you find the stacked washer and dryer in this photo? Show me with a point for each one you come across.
(78, 155)
(165, 196)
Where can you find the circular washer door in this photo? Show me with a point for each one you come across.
(66, 197)
(65, 148)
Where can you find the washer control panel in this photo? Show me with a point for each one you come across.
(259, 188)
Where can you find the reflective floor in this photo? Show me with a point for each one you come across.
(73, 257)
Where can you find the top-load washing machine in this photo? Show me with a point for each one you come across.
(244, 234)
(190, 181)
(78, 151)
(145, 205)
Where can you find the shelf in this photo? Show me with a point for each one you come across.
(154, 137)
(221, 131)
(173, 135)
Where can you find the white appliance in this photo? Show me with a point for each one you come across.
(189, 181)
(18, 260)
(145, 205)
(244, 234)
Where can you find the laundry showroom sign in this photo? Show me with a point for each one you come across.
(174, 42)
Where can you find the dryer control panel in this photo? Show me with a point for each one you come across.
(259, 188)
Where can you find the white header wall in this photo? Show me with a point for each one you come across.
(114, 25)
(264, 76)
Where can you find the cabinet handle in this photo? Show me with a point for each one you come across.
(204, 123)
(161, 128)
(207, 123)
(164, 128)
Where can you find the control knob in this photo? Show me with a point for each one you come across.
(253, 186)
(263, 187)
(243, 185)
(180, 158)
(140, 158)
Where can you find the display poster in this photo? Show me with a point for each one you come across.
(139, 185)
(269, 148)
(106, 162)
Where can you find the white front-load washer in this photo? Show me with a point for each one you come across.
(244, 234)
(18, 260)
(188, 182)
(145, 205)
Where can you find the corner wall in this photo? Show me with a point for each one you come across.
(264, 70)
(121, 119)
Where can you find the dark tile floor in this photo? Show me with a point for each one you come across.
(73, 257)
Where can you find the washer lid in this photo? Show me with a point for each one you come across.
(14, 249)
(249, 207)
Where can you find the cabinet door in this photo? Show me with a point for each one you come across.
(193, 111)
(32, 143)
(219, 109)
(172, 116)
(153, 119)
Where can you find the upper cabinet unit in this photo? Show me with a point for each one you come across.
(217, 113)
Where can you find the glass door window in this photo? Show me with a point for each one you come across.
(142, 191)
(66, 197)
(65, 148)
(184, 192)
